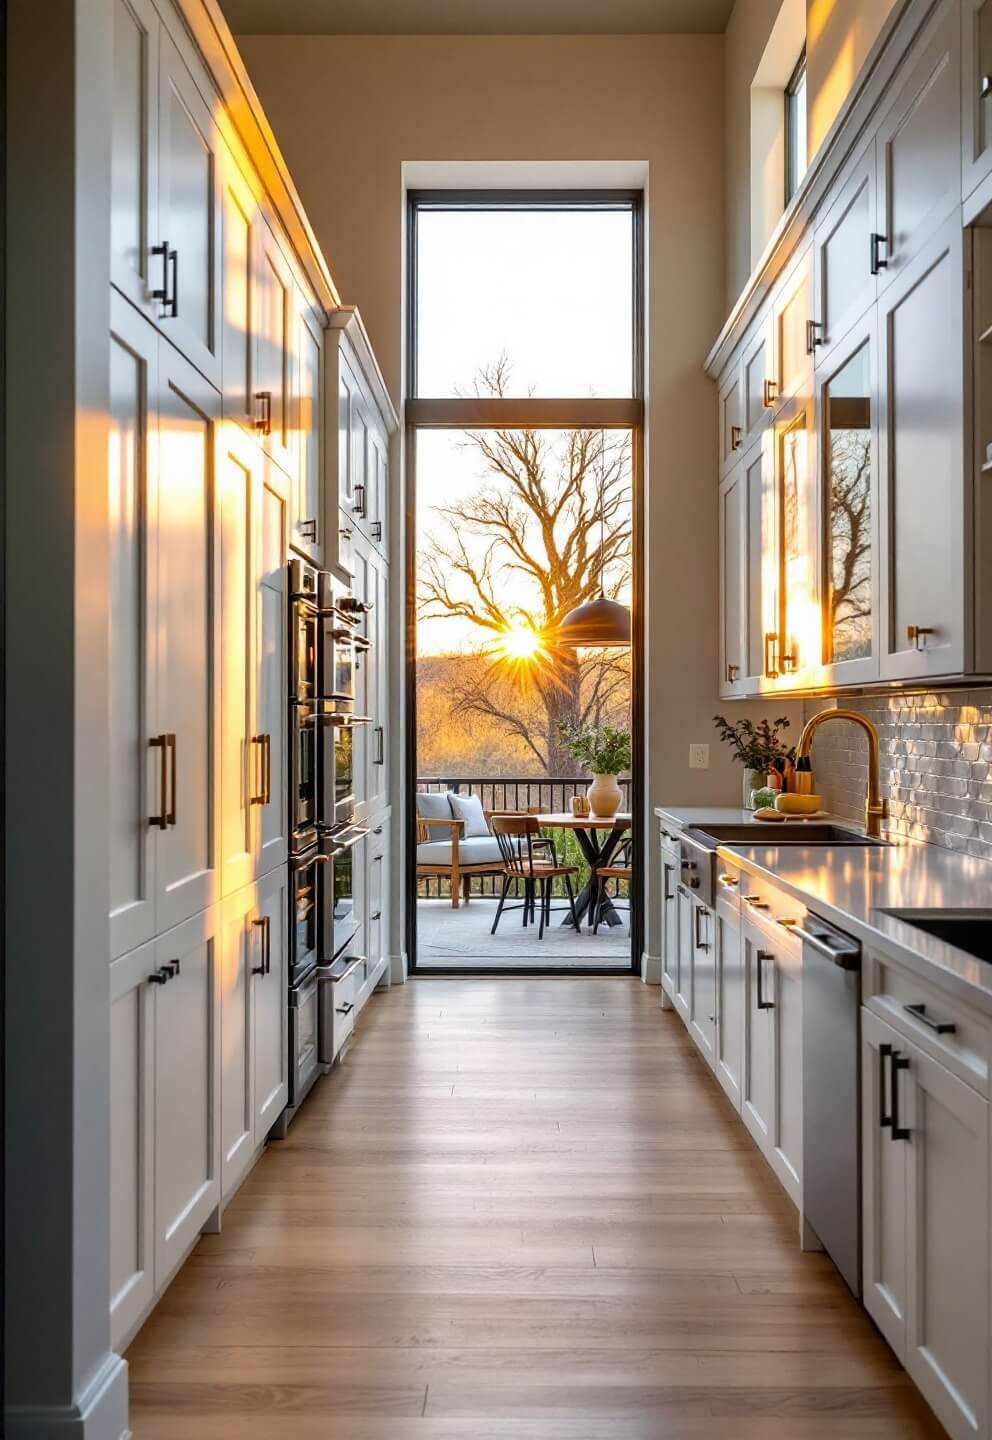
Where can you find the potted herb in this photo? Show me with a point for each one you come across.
(756, 747)
(605, 750)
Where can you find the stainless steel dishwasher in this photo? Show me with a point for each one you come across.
(832, 1093)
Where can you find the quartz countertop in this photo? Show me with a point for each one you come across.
(854, 887)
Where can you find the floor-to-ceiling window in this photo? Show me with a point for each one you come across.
(524, 415)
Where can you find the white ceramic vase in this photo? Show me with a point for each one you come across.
(604, 795)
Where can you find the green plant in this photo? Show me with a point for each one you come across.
(603, 749)
(763, 799)
(757, 747)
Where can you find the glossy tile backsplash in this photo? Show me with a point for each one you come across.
(936, 763)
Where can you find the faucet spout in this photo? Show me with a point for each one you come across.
(876, 809)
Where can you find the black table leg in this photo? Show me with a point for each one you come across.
(594, 856)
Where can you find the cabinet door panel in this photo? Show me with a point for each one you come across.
(758, 373)
(187, 638)
(134, 790)
(760, 585)
(845, 285)
(788, 1020)
(703, 1027)
(947, 1332)
(187, 1133)
(274, 323)
(189, 215)
(758, 1094)
(308, 529)
(237, 948)
(922, 472)
(793, 311)
(271, 629)
(132, 1070)
(731, 420)
(670, 923)
(732, 570)
(918, 150)
(134, 153)
(378, 488)
(883, 1188)
(796, 642)
(269, 1005)
(378, 632)
(683, 979)
(241, 221)
(239, 755)
(730, 1007)
(976, 135)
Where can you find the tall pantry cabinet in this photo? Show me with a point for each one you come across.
(216, 363)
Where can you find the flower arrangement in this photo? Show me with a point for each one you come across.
(603, 749)
(756, 747)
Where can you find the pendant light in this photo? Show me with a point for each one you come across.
(599, 624)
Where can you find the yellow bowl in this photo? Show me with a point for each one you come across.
(799, 804)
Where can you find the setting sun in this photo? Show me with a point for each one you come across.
(520, 642)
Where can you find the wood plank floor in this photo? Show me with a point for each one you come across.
(520, 1210)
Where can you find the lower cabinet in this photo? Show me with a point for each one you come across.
(926, 1222)
(377, 906)
(165, 1117)
(730, 995)
(669, 920)
(702, 1023)
(773, 1071)
(682, 992)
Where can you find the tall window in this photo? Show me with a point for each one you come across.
(795, 129)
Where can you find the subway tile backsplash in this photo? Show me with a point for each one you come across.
(936, 763)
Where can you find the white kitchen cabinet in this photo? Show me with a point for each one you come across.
(760, 568)
(682, 994)
(186, 1023)
(925, 1176)
(270, 1010)
(845, 283)
(772, 1090)
(186, 254)
(132, 1131)
(377, 480)
(275, 327)
(164, 851)
(759, 387)
(733, 575)
(922, 374)
(792, 310)
(731, 418)
(730, 991)
(242, 221)
(702, 1026)
(848, 541)
(670, 918)
(794, 644)
(918, 150)
(134, 154)
(237, 950)
(381, 728)
(976, 93)
(307, 511)
(377, 906)
(187, 633)
(270, 668)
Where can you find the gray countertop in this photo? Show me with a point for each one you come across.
(853, 888)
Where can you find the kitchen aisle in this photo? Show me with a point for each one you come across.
(521, 1208)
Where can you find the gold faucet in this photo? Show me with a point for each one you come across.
(876, 809)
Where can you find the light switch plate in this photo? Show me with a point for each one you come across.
(699, 757)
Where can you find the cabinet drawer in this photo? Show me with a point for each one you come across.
(337, 1004)
(889, 990)
(769, 907)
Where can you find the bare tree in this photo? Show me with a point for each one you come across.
(850, 543)
(524, 550)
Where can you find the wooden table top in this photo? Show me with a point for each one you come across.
(565, 820)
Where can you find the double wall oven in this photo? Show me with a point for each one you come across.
(324, 645)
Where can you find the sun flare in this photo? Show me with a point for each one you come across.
(520, 642)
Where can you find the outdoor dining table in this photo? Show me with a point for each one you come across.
(595, 851)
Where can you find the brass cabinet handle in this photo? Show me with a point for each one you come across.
(769, 393)
(771, 642)
(729, 881)
(732, 673)
(736, 437)
(268, 768)
(813, 335)
(259, 799)
(161, 820)
(756, 902)
(170, 741)
(263, 422)
(916, 633)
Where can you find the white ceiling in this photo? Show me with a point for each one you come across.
(476, 17)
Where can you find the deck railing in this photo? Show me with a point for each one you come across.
(549, 793)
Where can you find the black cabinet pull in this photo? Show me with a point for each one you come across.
(940, 1027)
(736, 440)
(345, 1009)
(359, 505)
(161, 820)
(263, 421)
(159, 977)
(884, 1120)
(376, 529)
(162, 291)
(380, 746)
(760, 957)
(813, 336)
(877, 263)
(898, 1062)
(308, 530)
(264, 923)
(173, 302)
(170, 741)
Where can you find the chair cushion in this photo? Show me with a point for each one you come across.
(434, 806)
(479, 851)
(469, 808)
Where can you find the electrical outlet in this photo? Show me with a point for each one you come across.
(699, 757)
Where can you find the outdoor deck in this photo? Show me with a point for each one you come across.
(460, 940)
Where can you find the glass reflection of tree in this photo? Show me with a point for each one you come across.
(850, 528)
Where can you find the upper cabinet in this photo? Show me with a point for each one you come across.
(307, 492)
(866, 369)
(357, 468)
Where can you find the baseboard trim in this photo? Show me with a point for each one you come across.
(398, 968)
(650, 968)
(99, 1413)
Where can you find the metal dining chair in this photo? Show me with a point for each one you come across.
(530, 858)
(619, 868)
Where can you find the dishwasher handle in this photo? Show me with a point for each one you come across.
(845, 955)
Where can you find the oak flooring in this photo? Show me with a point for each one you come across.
(519, 1210)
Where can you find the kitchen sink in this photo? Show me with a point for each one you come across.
(785, 832)
(968, 930)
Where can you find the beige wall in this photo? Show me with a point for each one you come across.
(349, 111)
(839, 35)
